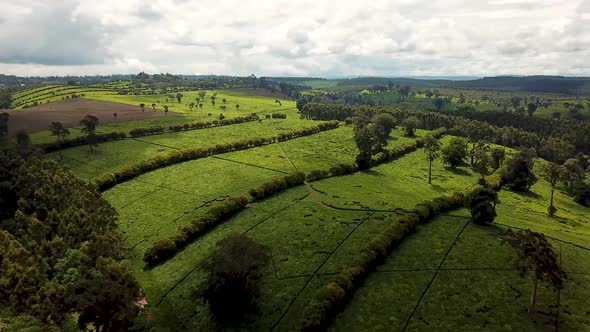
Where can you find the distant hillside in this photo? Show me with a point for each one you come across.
(546, 84)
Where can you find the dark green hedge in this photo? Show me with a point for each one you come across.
(332, 297)
(163, 249)
(131, 171)
(277, 185)
(81, 140)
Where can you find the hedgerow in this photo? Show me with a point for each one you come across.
(78, 141)
(133, 170)
(166, 248)
(332, 297)
(277, 185)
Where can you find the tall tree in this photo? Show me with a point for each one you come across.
(89, 124)
(58, 130)
(191, 106)
(385, 120)
(552, 173)
(498, 156)
(142, 106)
(179, 97)
(535, 253)
(531, 109)
(482, 162)
(432, 150)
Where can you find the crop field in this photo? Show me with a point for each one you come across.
(451, 274)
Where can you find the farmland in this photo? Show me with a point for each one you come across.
(450, 274)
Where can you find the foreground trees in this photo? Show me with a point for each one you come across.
(4, 124)
(535, 253)
(59, 251)
(233, 276)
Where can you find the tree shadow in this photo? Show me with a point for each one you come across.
(529, 194)
(456, 171)
(371, 172)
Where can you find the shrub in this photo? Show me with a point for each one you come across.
(279, 115)
(233, 276)
(482, 204)
(316, 175)
(159, 251)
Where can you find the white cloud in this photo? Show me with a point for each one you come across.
(304, 37)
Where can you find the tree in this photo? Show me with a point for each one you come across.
(439, 103)
(4, 123)
(89, 124)
(432, 150)
(498, 156)
(234, 276)
(278, 102)
(237, 107)
(573, 174)
(223, 107)
(191, 106)
(518, 171)
(385, 120)
(142, 106)
(552, 173)
(404, 92)
(202, 94)
(58, 130)
(556, 150)
(482, 162)
(515, 101)
(179, 97)
(369, 139)
(531, 109)
(482, 205)
(535, 253)
(5, 99)
(455, 152)
(410, 124)
(224, 100)
(154, 106)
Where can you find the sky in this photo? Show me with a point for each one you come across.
(296, 38)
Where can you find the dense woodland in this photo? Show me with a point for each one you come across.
(59, 252)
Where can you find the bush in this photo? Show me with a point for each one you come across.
(277, 185)
(482, 204)
(233, 277)
(159, 251)
(279, 115)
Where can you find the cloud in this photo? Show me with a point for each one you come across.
(304, 37)
(51, 35)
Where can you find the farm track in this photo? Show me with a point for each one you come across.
(252, 165)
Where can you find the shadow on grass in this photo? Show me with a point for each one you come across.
(529, 194)
(456, 171)
(372, 172)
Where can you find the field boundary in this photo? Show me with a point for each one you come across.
(434, 275)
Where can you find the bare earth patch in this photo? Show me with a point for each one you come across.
(71, 111)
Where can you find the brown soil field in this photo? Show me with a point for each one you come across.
(71, 111)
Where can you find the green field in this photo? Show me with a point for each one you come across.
(450, 275)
